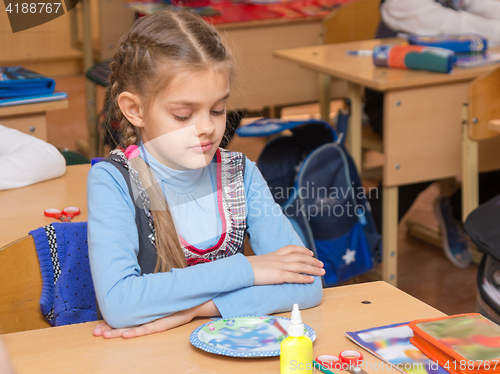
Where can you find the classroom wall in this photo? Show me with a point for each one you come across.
(115, 19)
(46, 48)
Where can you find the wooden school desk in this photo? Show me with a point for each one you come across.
(22, 208)
(261, 80)
(422, 123)
(30, 118)
(73, 349)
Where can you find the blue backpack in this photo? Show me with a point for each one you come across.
(316, 183)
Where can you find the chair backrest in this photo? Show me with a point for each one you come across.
(357, 20)
(484, 105)
(20, 287)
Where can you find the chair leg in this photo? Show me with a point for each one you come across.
(354, 132)
(88, 56)
(390, 235)
(325, 82)
(470, 169)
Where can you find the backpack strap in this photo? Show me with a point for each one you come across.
(147, 255)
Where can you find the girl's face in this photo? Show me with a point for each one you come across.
(186, 122)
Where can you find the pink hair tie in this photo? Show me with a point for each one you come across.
(132, 151)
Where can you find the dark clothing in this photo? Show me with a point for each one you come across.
(147, 255)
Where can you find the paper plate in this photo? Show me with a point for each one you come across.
(250, 336)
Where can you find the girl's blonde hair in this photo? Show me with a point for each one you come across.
(150, 55)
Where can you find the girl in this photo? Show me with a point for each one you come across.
(168, 216)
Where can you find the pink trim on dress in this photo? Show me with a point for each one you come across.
(223, 215)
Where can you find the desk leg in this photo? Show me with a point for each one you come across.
(88, 61)
(325, 82)
(390, 235)
(354, 130)
(470, 170)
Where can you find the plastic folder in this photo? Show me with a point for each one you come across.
(462, 344)
(19, 81)
(467, 43)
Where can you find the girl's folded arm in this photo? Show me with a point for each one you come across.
(269, 299)
(269, 230)
(125, 297)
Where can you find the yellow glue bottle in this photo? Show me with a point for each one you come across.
(296, 349)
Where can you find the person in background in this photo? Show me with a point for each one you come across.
(437, 17)
(25, 160)
(432, 17)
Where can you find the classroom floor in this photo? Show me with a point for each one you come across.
(423, 271)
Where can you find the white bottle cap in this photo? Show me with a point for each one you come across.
(296, 327)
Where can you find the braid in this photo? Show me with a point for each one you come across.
(129, 130)
(122, 60)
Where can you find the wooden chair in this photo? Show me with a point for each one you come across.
(481, 120)
(357, 20)
(20, 287)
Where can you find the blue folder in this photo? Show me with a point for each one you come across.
(464, 43)
(29, 99)
(19, 81)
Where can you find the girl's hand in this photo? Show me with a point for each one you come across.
(207, 309)
(289, 264)
(162, 324)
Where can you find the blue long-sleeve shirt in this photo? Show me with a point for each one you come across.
(127, 298)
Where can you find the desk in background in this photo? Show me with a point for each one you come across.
(73, 349)
(261, 81)
(22, 208)
(422, 123)
(253, 32)
(264, 81)
(30, 118)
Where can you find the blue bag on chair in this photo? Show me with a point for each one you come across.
(68, 294)
(316, 183)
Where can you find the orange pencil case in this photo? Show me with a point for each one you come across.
(461, 344)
